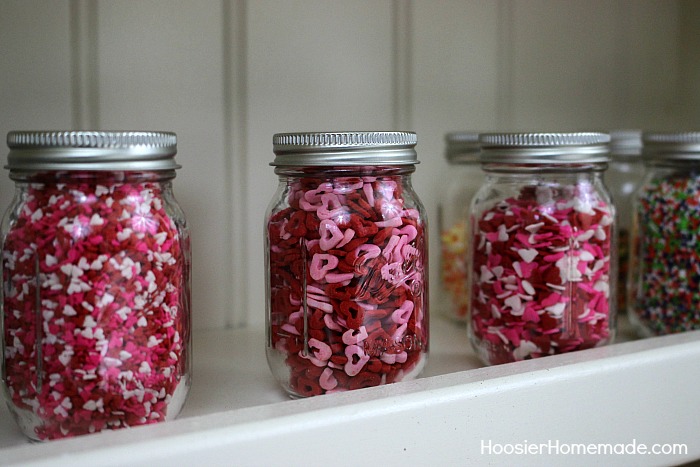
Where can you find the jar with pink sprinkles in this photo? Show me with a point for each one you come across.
(95, 283)
(543, 260)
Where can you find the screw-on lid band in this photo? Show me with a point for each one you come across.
(462, 147)
(344, 148)
(669, 146)
(91, 150)
(544, 148)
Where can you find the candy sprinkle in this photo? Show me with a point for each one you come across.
(453, 268)
(541, 274)
(666, 291)
(94, 289)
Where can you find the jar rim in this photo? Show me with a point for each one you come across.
(91, 150)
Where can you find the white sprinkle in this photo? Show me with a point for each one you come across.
(83, 264)
(518, 269)
(486, 275)
(124, 355)
(111, 362)
(144, 369)
(106, 299)
(528, 287)
(556, 310)
(152, 342)
(600, 233)
(585, 236)
(142, 322)
(603, 286)
(96, 220)
(124, 234)
(586, 256)
(89, 322)
(527, 254)
(90, 405)
(38, 214)
(51, 260)
(65, 356)
(123, 312)
(502, 234)
(525, 349)
(161, 237)
(534, 228)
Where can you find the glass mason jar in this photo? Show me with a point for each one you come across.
(664, 285)
(96, 283)
(346, 263)
(463, 178)
(543, 258)
(623, 178)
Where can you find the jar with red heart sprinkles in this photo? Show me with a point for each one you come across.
(664, 285)
(347, 263)
(543, 258)
(96, 283)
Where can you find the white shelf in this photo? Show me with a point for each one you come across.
(642, 391)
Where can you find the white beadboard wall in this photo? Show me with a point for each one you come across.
(226, 75)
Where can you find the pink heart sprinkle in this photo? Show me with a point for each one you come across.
(330, 234)
(321, 264)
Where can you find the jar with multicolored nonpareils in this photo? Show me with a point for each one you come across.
(664, 287)
(346, 262)
(95, 283)
(543, 258)
(463, 179)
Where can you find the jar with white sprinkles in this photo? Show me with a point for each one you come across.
(95, 283)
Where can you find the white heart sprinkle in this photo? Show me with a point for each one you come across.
(527, 254)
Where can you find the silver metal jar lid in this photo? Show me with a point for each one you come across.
(677, 146)
(462, 147)
(625, 144)
(344, 148)
(544, 148)
(91, 150)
